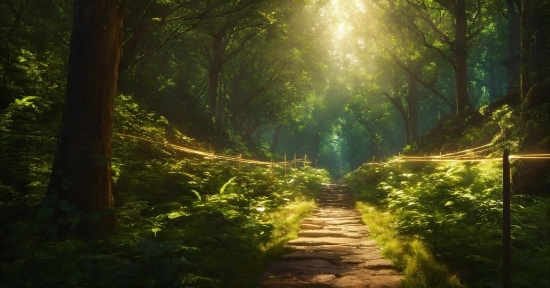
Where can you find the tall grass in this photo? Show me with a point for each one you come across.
(409, 254)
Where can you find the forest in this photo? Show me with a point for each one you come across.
(180, 143)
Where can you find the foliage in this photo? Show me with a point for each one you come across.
(455, 209)
(181, 219)
(408, 253)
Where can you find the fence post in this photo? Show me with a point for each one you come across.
(285, 164)
(372, 159)
(295, 161)
(399, 160)
(506, 229)
(305, 160)
(213, 156)
(272, 173)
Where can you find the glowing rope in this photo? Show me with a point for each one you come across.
(467, 150)
(208, 155)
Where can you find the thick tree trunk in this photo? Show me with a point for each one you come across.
(412, 106)
(81, 172)
(532, 178)
(514, 40)
(460, 57)
(535, 52)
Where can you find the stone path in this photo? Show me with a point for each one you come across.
(332, 250)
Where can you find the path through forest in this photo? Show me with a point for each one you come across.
(332, 250)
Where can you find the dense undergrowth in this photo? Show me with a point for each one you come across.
(455, 210)
(183, 221)
(451, 213)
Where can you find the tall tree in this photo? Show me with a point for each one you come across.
(512, 65)
(433, 22)
(535, 52)
(81, 173)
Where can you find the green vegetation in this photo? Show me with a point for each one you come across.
(341, 81)
(407, 253)
(452, 213)
(182, 221)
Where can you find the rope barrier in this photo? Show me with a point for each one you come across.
(212, 155)
(467, 155)
(459, 156)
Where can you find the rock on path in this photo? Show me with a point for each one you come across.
(332, 250)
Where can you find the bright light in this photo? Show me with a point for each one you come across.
(340, 17)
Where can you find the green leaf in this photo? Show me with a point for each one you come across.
(197, 193)
(94, 217)
(44, 213)
(449, 203)
(155, 230)
(65, 206)
(225, 185)
(73, 220)
(151, 249)
(175, 215)
(74, 278)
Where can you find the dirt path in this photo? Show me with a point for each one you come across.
(332, 250)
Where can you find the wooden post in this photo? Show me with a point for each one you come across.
(316, 162)
(372, 159)
(399, 161)
(240, 158)
(285, 164)
(295, 161)
(212, 156)
(305, 160)
(506, 229)
(272, 173)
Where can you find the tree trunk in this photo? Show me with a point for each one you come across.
(218, 48)
(535, 52)
(275, 140)
(213, 80)
(460, 57)
(373, 147)
(412, 105)
(514, 40)
(250, 130)
(81, 173)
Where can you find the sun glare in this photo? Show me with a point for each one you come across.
(340, 16)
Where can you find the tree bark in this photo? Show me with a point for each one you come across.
(275, 140)
(412, 106)
(398, 104)
(460, 57)
(81, 172)
(514, 40)
(218, 48)
(250, 130)
(535, 52)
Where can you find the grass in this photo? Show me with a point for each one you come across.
(287, 221)
(408, 254)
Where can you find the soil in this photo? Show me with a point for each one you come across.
(332, 250)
